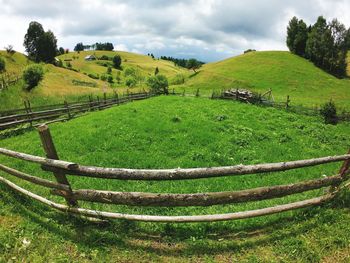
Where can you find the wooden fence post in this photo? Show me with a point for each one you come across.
(90, 102)
(67, 108)
(28, 113)
(51, 153)
(197, 93)
(287, 102)
(105, 98)
(98, 103)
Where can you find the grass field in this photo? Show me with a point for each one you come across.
(169, 132)
(58, 83)
(284, 73)
(145, 64)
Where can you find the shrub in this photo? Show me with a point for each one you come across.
(130, 82)
(93, 76)
(103, 77)
(178, 79)
(2, 64)
(329, 113)
(129, 72)
(249, 50)
(158, 84)
(109, 70)
(117, 61)
(104, 57)
(110, 78)
(32, 75)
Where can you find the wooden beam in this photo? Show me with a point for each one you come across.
(171, 174)
(174, 219)
(199, 199)
(33, 179)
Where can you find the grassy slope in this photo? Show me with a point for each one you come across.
(146, 64)
(14, 63)
(187, 132)
(284, 73)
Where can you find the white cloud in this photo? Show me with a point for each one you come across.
(207, 29)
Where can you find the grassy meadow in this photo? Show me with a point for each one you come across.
(283, 72)
(170, 132)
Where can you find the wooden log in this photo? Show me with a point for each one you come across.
(50, 149)
(173, 219)
(199, 199)
(171, 174)
(33, 179)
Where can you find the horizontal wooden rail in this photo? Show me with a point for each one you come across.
(201, 199)
(33, 179)
(173, 219)
(170, 174)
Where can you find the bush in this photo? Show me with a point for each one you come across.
(93, 76)
(109, 70)
(32, 75)
(178, 79)
(110, 79)
(329, 113)
(158, 84)
(104, 57)
(130, 82)
(2, 64)
(117, 61)
(103, 77)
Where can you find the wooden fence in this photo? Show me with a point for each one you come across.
(61, 112)
(63, 188)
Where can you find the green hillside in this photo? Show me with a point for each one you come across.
(145, 64)
(284, 73)
(139, 135)
(14, 63)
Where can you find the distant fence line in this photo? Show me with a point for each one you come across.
(60, 112)
(286, 105)
(63, 188)
(7, 80)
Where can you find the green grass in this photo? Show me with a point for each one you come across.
(169, 132)
(145, 64)
(284, 73)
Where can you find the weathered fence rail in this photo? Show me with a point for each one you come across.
(63, 188)
(60, 112)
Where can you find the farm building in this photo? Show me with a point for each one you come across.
(90, 57)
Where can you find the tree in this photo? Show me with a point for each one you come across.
(61, 51)
(2, 64)
(32, 75)
(329, 113)
(31, 39)
(40, 45)
(47, 47)
(158, 84)
(117, 61)
(156, 71)
(9, 50)
(193, 64)
(297, 35)
(79, 47)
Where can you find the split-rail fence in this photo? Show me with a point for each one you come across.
(62, 187)
(61, 112)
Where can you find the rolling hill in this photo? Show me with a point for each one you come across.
(283, 72)
(145, 64)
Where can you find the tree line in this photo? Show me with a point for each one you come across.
(191, 63)
(326, 44)
(97, 46)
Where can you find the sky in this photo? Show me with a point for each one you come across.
(208, 30)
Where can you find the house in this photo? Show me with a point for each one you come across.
(90, 57)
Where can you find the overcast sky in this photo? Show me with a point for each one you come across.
(205, 29)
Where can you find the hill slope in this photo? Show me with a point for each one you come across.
(145, 64)
(284, 73)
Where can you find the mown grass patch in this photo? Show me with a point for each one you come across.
(170, 132)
